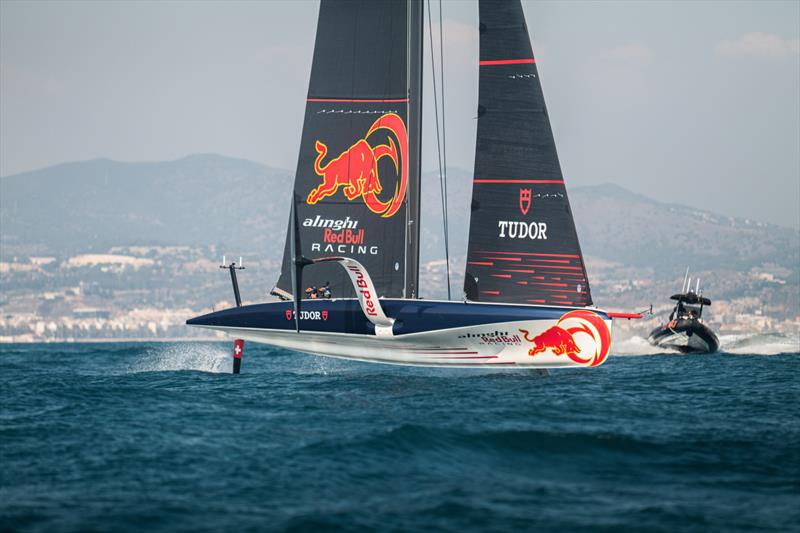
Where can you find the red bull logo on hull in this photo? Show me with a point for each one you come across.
(355, 171)
(581, 335)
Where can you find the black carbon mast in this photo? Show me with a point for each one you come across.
(415, 64)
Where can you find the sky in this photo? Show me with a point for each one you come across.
(689, 102)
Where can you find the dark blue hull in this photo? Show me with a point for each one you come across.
(426, 332)
(346, 316)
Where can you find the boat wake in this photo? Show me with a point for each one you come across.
(212, 358)
(760, 344)
(755, 344)
(635, 345)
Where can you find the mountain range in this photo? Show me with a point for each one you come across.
(242, 206)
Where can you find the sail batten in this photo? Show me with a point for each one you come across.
(523, 247)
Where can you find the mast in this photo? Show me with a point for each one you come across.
(415, 53)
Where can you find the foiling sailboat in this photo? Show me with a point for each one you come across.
(354, 224)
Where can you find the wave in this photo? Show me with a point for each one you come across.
(760, 344)
(413, 438)
(739, 344)
(636, 345)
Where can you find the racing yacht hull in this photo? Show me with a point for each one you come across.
(426, 332)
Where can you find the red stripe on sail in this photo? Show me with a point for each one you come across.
(361, 100)
(562, 290)
(550, 284)
(491, 62)
(554, 266)
(536, 301)
(501, 275)
(519, 181)
(574, 276)
(529, 253)
(480, 263)
(496, 293)
(519, 271)
(505, 258)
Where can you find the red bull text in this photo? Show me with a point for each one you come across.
(363, 288)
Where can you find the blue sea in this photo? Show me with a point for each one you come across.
(160, 437)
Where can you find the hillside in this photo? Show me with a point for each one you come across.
(629, 228)
(241, 206)
(92, 205)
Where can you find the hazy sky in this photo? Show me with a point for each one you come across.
(691, 102)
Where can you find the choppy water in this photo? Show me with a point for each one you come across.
(158, 437)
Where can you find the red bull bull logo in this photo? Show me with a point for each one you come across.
(581, 335)
(355, 171)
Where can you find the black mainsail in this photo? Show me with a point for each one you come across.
(356, 190)
(523, 247)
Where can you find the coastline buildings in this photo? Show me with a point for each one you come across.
(147, 293)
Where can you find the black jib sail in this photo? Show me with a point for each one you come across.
(356, 189)
(523, 247)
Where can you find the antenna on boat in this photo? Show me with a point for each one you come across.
(298, 262)
(697, 287)
(233, 267)
(296, 272)
(685, 277)
(238, 344)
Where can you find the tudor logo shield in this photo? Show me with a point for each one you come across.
(525, 200)
(324, 314)
(289, 314)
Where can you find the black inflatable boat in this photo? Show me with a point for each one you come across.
(685, 330)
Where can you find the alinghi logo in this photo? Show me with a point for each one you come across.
(335, 225)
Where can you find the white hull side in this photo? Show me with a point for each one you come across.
(464, 347)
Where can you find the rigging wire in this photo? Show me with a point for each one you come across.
(442, 173)
(444, 149)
